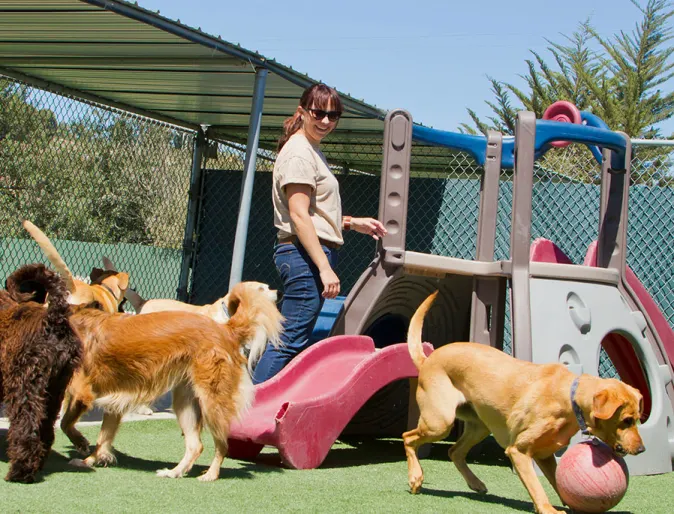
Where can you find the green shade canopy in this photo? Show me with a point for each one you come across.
(121, 55)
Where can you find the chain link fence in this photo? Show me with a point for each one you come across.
(105, 182)
(97, 181)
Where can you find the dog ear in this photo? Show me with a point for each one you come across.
(108, 264)
(123, 280)
(639, 398)
(6, 301)
(605, 403)
(641, 405)
(232, 304)
(95, 274)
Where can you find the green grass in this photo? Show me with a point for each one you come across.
(357, 476)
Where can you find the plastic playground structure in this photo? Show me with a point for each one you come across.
(560, 311)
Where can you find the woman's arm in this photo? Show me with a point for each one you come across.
(299, 200)
(370, 226)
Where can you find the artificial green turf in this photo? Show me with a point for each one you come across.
(357, 476)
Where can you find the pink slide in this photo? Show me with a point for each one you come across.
(303, 409)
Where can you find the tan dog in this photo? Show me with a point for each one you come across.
(217, 310)
(107, 287)
(526, 406)
(131, 360)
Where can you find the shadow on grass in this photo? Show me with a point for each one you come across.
(365, 451)
(56, 462)
(125, 461)
(524, 506)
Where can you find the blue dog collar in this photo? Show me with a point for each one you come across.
(576, 409)
(224, 310)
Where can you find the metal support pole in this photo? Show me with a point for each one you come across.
(192, 211)
(239, 251)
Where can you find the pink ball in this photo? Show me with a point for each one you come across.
(591, 478)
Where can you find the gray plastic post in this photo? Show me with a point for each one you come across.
(393, 199)
(520, 233)
(486, 227)
(239, 251)
(488, 298)
(612, 238)
(394, 188)
(192, 210)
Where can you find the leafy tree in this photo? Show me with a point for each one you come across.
(621, 83)
(96, 176)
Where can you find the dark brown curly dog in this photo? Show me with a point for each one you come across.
(38, 354)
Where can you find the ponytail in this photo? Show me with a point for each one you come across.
(290, 126)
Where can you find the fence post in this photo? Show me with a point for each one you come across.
(192, 209)
(239, 251)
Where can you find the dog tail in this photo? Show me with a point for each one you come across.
(38, 283)
(256, 320)
(52, 254)
(414, 344)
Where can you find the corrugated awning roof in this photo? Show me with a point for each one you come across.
(119, 54)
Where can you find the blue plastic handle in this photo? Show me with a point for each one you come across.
(546, 133)
(594, 121)
(550, 131)
(474, 145)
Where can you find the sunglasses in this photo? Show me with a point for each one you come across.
(319, 114)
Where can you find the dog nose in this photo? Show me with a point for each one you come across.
(641, 449)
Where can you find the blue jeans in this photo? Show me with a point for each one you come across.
(302, 302)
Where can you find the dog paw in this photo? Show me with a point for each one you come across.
(478, 487)
(208, 477)
(79, 463)
(549, 509)
(415, 484)
(103, 460)
(169, 473)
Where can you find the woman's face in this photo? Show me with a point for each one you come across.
(318, 123)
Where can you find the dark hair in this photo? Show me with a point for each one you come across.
(319, 96)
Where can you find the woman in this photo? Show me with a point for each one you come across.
(308, 216)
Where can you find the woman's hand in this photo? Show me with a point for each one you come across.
(369, 226)
(330, 282)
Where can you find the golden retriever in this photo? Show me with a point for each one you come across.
(130, 360)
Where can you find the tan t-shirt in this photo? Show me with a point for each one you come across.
(299, 162)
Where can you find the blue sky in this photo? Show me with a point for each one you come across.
(431, 57)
